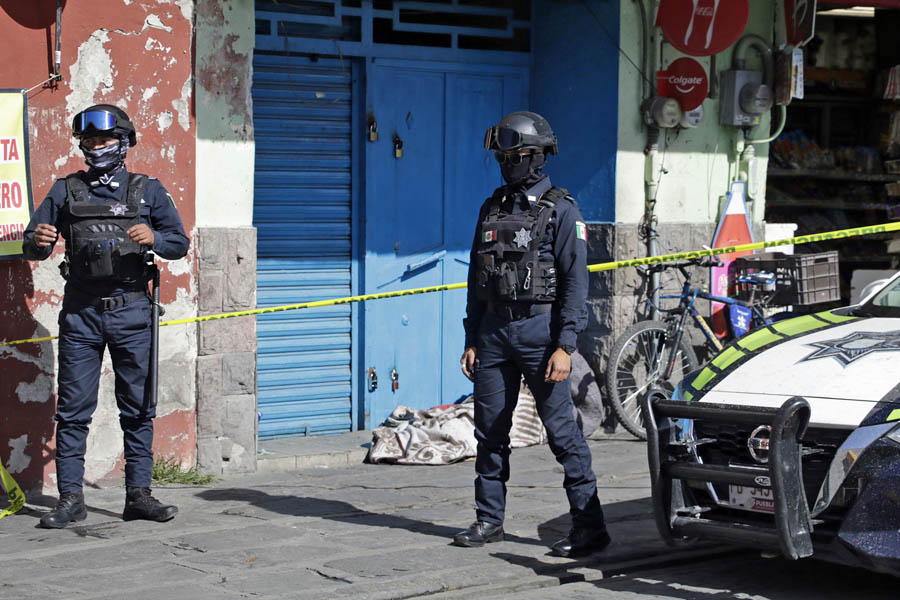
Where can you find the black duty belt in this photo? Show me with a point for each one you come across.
(105, 303)
(515, 312)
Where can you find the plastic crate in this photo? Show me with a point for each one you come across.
(800, 279)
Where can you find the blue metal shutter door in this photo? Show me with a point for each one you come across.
(303, 214)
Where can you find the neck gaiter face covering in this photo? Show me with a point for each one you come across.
(107, 158)
(525, 173)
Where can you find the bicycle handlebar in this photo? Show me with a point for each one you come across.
(703, 261)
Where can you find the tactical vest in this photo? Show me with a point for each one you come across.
(99, 247)
(508, 253)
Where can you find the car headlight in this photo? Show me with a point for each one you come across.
(894, 435)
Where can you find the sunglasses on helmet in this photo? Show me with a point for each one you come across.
(513, 159)
(93, 121)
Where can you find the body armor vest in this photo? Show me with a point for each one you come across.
(509, 267)
(98, 246)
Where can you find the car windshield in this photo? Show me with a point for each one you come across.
(885, 303)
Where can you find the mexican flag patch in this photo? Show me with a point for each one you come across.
(580, 231)
(489, 236)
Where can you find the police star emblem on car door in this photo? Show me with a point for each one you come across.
(856, 345)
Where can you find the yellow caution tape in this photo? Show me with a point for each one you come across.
(803, 239)
(16, 497)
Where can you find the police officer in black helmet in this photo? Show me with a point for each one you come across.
(111, 220)
(527, 288)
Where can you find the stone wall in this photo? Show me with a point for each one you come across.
(617, 298)
(226, 365)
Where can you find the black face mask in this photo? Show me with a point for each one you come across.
(526, 172)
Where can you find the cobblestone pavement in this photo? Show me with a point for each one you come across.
(362, 531)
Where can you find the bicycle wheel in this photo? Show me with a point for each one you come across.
(636, 363)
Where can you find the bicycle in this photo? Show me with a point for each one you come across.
(654, 353)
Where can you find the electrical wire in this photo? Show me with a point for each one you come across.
(616, 44)
(37, 85)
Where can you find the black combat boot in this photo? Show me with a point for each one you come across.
(581, 541)
(478, 534)
(139, 504)
(70, 507)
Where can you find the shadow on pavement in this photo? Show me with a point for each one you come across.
(755, 577)
(336, 510)
(49, 503)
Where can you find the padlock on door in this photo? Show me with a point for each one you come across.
(395, 380)
(373, 128)
(398, 147)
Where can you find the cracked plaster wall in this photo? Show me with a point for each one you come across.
(135, 54)
(225, 148)
(226, 367)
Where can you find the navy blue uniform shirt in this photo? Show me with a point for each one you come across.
(157, 212)
(560, 244)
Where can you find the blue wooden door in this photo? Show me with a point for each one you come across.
(420, 212)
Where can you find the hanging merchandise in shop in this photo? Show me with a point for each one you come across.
(702, 27)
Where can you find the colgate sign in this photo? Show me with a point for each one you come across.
(686, 81)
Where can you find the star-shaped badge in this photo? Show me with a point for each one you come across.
(523, 238)
(118, 209)
(854, 346)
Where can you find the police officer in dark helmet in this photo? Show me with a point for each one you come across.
(527, 289)
(111, 220)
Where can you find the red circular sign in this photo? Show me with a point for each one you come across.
(703, 27)
(686, 81)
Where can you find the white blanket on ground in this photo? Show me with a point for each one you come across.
(446, 434)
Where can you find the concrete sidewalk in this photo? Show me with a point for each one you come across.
(354, 531)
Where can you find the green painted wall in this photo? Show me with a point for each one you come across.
(223, 75)
(699, 162)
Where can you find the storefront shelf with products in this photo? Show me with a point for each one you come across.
(835, 175)
(833, 205)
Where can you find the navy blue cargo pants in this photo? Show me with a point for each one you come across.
(85, 329)
(506, 351)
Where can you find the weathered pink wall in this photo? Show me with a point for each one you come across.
(136, 54)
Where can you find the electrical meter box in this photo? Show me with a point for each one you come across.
(730, 111)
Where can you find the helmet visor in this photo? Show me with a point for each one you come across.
(93, 121)
(506, 139)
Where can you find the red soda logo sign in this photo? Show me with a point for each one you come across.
(702, 27)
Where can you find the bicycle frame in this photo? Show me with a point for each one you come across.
(686, 300)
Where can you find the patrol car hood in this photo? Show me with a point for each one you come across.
(843, 371)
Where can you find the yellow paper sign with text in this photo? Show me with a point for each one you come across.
(15, 179)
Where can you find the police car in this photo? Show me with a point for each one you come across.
(789, 440)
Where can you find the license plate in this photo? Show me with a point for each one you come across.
(751, 498)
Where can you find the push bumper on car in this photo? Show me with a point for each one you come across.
(674, 461)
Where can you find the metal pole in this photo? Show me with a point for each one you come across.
(152, 375)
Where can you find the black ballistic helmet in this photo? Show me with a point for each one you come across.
(521, 130)
(104, 119)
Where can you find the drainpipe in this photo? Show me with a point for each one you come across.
(651, 153)
(651, 168)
